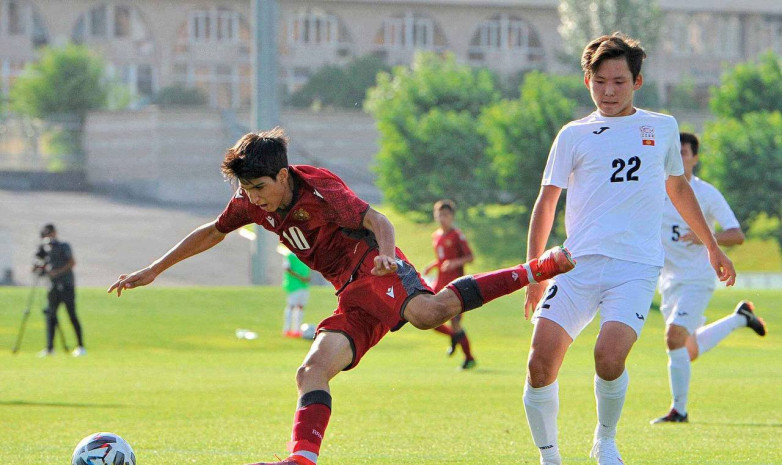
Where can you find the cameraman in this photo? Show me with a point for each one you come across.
(55, 260)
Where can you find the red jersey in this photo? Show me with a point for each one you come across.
(323, 226)
(447, 246)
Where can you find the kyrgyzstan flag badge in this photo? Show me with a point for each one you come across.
(647, 135)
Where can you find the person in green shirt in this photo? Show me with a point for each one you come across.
(296, 282)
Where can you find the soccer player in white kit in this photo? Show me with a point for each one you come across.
(617, 164)
(687, 283)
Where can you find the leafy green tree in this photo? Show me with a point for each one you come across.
(62, 87)
(583, 20)
(66, 80)
(520, 132)
(749, 87)
(427, 116)
(338, 86)
(743, 158)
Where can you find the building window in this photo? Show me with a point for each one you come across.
(15, 19)
(19, 18)
(121, 21)
(504, 32)
(410, 31)
(314, 27)
(98, 21)
(216, 25)
(145, 80)
(728, 40)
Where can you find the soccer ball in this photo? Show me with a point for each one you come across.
(103, 449)
(308, 331)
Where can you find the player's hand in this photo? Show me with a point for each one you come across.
(690, 238)
(136, 279)
(534, 294)
(384, 264)
(447, 265)
(723, 266)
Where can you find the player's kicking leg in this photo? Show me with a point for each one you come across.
(473, 291)
(330, 353)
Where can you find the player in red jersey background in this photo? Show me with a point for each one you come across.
(451, 254)
(352, 245)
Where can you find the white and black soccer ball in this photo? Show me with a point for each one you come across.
(308, 331)
(103, 449)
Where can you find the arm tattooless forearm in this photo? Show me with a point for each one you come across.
(383, 230)
(202, 238)
(728, 237)
(683, 198)
(542, 220)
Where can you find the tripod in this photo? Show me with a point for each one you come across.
(26, 316)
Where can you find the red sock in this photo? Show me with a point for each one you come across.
(498, 283)
(477, 290)
(310, 421)
(465, 343)
(444, 329)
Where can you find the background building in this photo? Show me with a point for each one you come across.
(152, 44)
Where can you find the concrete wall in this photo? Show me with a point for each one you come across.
(167, 155)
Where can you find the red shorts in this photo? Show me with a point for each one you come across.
(371, 306)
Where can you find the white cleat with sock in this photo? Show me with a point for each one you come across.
(605, 451)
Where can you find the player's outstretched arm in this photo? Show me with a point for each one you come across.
(202, 238)
(376, 222)
(683, 198)
(540, 225)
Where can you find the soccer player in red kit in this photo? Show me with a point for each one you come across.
(334, 232)
(452, 252)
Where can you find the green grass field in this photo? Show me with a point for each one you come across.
(166, 372)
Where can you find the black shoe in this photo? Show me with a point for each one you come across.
(469, 364)
(746, 309)
(455, 340)
(672, 417)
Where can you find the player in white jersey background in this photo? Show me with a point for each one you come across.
(617, 164)
(687, 283)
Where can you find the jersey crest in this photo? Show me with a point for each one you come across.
(647, 135)
(301, 215)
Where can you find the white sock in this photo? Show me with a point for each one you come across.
(679, 377)
(610, 397)
(709, 336)
(298, 314)
(311, 456)
(542, 406)
(286, 324)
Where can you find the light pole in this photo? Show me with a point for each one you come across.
(266, 105)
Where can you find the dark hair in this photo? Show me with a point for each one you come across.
(616, 45)
(445, 204)
(47, 229)
(692, 139)
(256, 155)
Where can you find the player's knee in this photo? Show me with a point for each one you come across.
(608, 365)
(676, 337)
(429, 314)
(306, 374)
(540, 373)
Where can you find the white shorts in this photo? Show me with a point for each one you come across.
(621, 289)
(298, 298)
(683, 304)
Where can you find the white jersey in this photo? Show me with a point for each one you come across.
(685, 261)
(615, 170)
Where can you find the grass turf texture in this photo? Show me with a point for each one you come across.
(166, 372)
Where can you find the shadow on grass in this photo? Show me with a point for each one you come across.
(27, 403)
